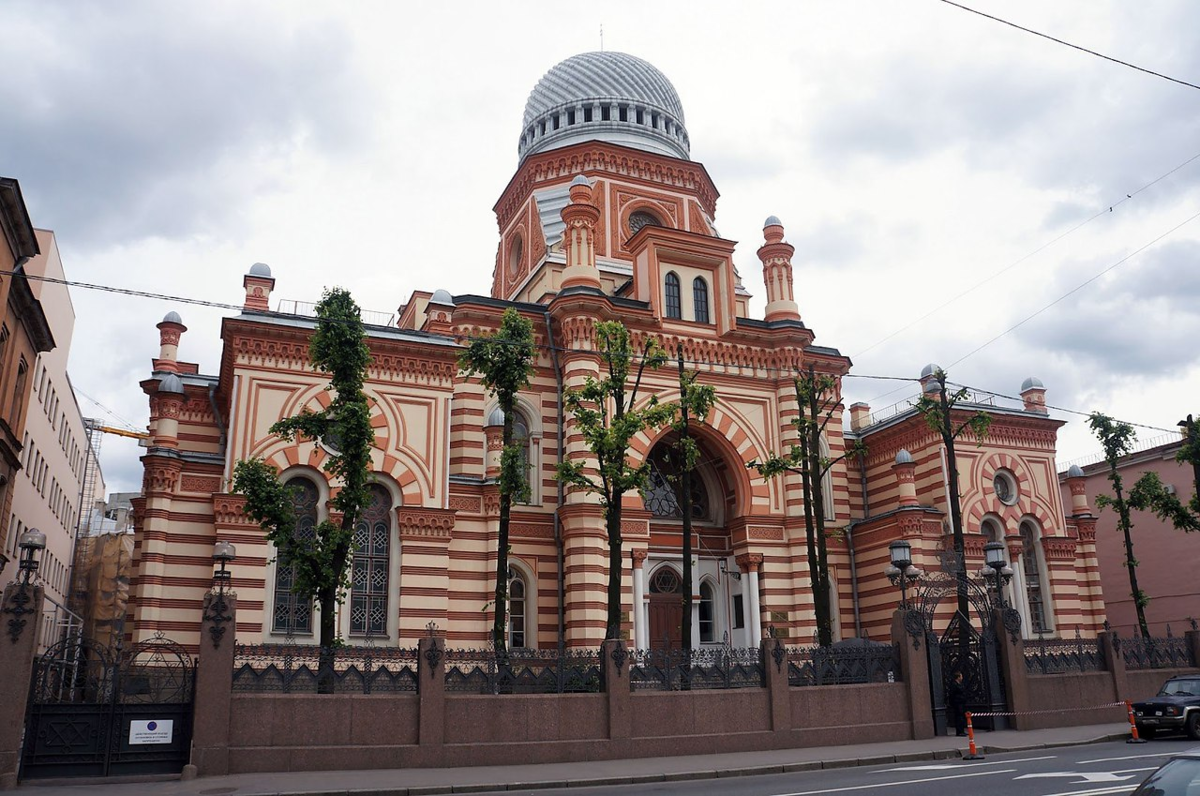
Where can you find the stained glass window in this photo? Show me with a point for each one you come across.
(292, 613)
(516, 609)
(369, 575)
(1032, 570)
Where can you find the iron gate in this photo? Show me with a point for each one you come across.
(969, 644)
(96, 711)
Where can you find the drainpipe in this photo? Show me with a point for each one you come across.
(228, 449)
(558, 540)
(862, 472)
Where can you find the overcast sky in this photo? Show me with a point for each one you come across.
(912, 150)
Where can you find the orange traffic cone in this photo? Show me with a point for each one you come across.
(1133, 733)
(972, 752)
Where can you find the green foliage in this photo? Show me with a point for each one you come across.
(607, 414)
(338, 347)
(504, 364)
(937, 407)
(608, 417)
(1117, 439)
(1149, 493)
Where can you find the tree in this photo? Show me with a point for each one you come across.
(694, 400)
(607, 415)
(1150, 494)
(338, 347)
(1117, 440)
(816, 401)
(504, 364)
(937, 407)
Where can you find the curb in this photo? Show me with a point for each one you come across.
(685, 776)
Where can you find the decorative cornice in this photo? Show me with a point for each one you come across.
(425, 523)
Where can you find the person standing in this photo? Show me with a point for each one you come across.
(956, 700)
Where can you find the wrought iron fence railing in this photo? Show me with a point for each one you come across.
(1156, 653)
(843, 665)
(1059, 656)
(523, 671)
(695, 670)
(299, 668)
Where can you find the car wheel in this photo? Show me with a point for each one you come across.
(1147, 732)
(1192, 725)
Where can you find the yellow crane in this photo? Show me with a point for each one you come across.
(122, 432)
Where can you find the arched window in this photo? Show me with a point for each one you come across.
(700, 299)
(521, 438)
(665, 580)
(662, 496)
(991, 530)
(516, 609)
(372, 561)
(707, 613)
(827, 485)
(293, 614)
(641, 218)
(1031, 567)
(674, 307)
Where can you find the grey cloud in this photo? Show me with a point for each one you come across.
(127, 124)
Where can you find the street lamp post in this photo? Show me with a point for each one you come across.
(216, 610)
(901, 572)
(30, 543)
(994, 560)
(223, 553)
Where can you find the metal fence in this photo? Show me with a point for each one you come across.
(843, 664)
(1156, 653)
(1058, 656)
(298, 668)
(695, 670)
(523, 671)
(57, 623)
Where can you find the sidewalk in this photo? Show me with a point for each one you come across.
(419, 782)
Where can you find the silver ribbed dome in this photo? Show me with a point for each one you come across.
(604, 96)
(1075, 471)
(171, 384)
(172, 317)
(904, 457)
(1032, 383)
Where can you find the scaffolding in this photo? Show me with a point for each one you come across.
(81, 555)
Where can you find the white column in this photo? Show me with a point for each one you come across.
(755, 614)
(639, 608)
(1021, 597)
(695, 618)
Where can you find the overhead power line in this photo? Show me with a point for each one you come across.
(1072, 46)
(1103, 211)
(1077, 288)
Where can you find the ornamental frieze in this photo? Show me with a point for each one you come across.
(204, 484)
(159, 478)
(1058, 548)
(465, 503)
(765, 532)
(423, 523)
(229, 512)
(527, 530)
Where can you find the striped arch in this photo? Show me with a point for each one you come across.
(984, 471)
(734, 447)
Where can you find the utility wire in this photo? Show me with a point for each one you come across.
(545, 347)
(1076, 289)
(1101, 212)
(1073, 46)
(1059, 408)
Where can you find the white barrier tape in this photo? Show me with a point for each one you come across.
(1060, 710)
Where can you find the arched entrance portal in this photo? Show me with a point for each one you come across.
(718, 607)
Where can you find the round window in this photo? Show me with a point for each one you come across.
(641, 218)
(1005, 484)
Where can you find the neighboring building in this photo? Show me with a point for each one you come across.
(49, 494)
(24, 334)
(605, 218)
(1159, 548)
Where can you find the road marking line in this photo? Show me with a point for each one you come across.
(952, 766)
(1097, 792)
(1127, 757)
(898, 784)
(1093, 778)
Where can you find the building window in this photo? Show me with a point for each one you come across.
(1031, 567)
(991, 530)
(662, 495)
(292, 613)
(707, 618)
(640, 219)
(739, 612)
(1005, 485)
(372, 560)
(516, 609)
(700, 299)
(674, 309)
(827, 483)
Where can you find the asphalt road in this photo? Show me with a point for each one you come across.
(1109, 769)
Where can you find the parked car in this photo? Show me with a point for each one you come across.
(1179, 776)
(1175, 708)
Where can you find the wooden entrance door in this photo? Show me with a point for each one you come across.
(666, 610)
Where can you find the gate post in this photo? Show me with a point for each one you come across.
(615, 663)
(431, 694)
(1115, 663)
(914, 669)
(214, 688)
(775, 664)
(1011, 649)
(19, 612)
